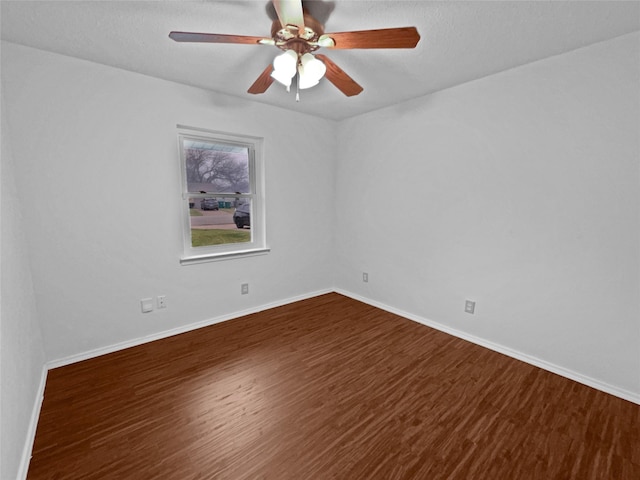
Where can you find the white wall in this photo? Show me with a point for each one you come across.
(21, 351)
(99, 184)
(519, 191)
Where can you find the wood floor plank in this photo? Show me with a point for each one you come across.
(326, 388)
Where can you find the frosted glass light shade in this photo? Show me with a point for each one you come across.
(283, 78)
(284, 67)
(310, 71)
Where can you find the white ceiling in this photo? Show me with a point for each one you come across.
(460, 41)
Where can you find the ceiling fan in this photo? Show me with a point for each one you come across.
(299, 35)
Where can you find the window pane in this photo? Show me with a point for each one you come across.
(216, 167)
(219, 220)
(222, 198)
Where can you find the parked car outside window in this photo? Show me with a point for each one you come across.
(242, 215)
(209, 204)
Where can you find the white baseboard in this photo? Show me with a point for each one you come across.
(176, 331)
(570, 374)
(23, 468)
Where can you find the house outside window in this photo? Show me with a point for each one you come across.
(222, 195)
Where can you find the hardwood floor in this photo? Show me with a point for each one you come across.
(326, 388)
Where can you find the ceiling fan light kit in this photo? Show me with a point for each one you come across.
(298, 34)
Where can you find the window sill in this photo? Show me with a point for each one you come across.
(216, 257)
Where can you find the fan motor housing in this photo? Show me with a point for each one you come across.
(289, 37)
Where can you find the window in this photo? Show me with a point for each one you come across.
(222, 195)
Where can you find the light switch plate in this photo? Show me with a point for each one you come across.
(469, 306)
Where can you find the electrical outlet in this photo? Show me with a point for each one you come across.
(365, 277)
(244, 289)
(469, 306)
(161, 301)
(146, 304)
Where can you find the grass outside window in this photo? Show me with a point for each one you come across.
(202, 237)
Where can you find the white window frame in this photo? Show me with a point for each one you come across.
(258, 243)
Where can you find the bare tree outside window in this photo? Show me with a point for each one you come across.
(214, 170)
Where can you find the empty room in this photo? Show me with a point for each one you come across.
(320, 240)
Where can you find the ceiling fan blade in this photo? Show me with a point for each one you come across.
(290, 13)
(404, 37)
(339, 78)
(218, 38)
(263, 82)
